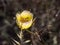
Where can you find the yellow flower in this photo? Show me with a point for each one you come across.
(24, 20)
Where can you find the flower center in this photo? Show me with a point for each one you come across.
(23, 20)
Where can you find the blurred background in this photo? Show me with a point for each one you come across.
(46, 26)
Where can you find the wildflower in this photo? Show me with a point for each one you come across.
(24, 20)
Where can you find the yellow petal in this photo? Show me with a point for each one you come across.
(27, 25)
(27, 14)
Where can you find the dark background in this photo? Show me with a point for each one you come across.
(46, 25)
